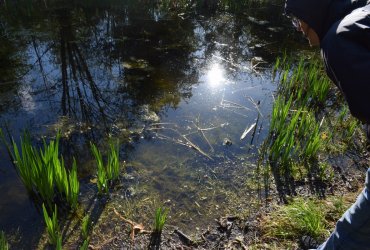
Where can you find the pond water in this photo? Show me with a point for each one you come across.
(177, 89)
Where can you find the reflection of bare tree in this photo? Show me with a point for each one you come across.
(80, 93)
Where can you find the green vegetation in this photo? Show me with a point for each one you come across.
(160, 219)
(74, 186)
(43, 173)
(58, 246)
(304, 216)
(308, 125)
(110, 172)
(85, 227)
(85, 245)
(102, 180)
(3, 242)
(296, 133)
(52, 226)
(300, 217)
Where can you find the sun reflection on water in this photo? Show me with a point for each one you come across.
(215, 75)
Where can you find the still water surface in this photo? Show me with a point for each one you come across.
(178, 90)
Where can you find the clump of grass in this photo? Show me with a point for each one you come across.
(52, 226)
(303, 216)
(160, 219)
(109, 172)
(43, 172)
(300, 217)
(3, 242)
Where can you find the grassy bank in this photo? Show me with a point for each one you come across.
(310, 126)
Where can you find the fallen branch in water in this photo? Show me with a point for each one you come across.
(188, 142)
(204, 136)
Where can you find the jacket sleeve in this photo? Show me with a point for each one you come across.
(346, 53)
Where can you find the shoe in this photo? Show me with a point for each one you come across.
(307, 242)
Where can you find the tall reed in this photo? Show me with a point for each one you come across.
(43, 172)
(85, 227)
(3, 242)
(295, 134)
(52, 226)
(102, 180)
(109, 172)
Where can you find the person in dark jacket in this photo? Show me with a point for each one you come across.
(342, 30)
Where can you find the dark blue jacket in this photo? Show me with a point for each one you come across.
(343, 27)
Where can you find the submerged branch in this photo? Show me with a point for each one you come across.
(188, 142)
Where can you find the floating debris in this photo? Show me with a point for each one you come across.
(247, 130)
(136, 64)
(227, 142)
(256, 21)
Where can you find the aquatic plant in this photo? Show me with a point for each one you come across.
(85, 226)
(109, 172)
(113, 166)
(59, 243)
(160, 219)
(296, 135)
(43, 173)
(102, 179)
(85, 245)
(3, 242)
(74, 186)
(52, 226)
(306, 82)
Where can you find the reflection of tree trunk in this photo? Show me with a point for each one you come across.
(65, 93)
(85, 87)
(39, 61)
(93, 87)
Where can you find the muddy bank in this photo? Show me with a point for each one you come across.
(229, 231)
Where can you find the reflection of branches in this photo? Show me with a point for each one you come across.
(85, 88)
